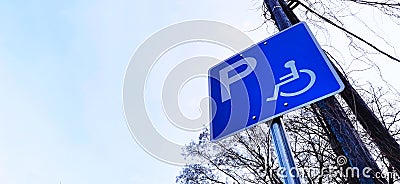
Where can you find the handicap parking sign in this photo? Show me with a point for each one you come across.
(279, 74)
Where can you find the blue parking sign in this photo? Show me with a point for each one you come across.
(279, 74)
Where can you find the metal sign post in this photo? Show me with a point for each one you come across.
(285, 157)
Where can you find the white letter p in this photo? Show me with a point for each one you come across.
(226, 81)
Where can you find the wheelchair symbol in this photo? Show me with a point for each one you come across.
(293, 75)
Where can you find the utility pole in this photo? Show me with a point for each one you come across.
(347, 141)
(386, 143)
(377, 131)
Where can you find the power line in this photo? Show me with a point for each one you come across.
(348, 32)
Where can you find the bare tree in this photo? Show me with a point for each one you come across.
(248, 157)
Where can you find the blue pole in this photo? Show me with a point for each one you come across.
(286, 162)
(276, 10)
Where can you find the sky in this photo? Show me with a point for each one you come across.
(62, 65)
